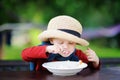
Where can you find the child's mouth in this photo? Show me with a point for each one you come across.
(66, 52)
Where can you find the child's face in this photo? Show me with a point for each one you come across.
(67, 47)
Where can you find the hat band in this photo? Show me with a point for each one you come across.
(75, 33)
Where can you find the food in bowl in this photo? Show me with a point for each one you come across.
(65, 68)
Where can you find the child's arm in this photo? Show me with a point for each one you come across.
(92, 57)
(35, 52)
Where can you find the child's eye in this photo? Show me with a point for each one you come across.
(70, 42)
(60, 42)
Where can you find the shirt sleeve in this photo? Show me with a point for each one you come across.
(81, 56)
(35, 52)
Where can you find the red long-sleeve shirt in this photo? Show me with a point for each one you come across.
(38, 55)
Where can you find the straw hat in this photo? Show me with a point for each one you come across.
(64, 27)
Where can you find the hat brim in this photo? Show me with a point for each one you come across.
(45, 35)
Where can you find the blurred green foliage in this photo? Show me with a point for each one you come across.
(33, 37)
(89, 13)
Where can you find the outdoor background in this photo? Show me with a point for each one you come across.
(22, 20)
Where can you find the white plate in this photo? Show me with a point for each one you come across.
(64, 68)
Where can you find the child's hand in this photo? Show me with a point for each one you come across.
(57, 50)
(53, 49)
(92, 57)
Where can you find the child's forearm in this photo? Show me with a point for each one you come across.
(34, 52)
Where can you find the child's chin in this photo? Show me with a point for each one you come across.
(65, 55)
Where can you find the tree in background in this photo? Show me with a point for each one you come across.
(90, 13)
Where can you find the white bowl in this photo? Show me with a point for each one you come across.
(64, 68)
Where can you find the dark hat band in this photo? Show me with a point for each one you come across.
(75, 33)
